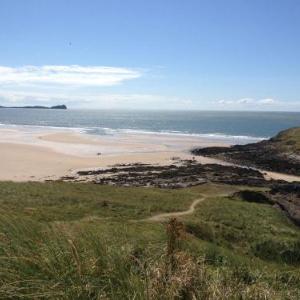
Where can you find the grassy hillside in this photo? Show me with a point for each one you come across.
(288, 140)
(84, 241)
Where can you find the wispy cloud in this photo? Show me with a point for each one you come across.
(268, 101)
(248, 102)
(265, 104)
(73, 75)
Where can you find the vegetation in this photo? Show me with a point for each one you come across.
(85, 241)
(288, 140)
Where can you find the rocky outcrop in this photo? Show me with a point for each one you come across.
(183, 174)
(59, 107)
(286, 189)
(38, 107)
(279, 154)
(189, 173)
(287, 196)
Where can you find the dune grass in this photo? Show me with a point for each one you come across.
(84, 241)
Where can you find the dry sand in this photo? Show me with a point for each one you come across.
(27, 155)
(38, 155)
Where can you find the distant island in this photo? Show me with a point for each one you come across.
(38, 107)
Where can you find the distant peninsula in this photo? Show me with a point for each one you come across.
(38, 107)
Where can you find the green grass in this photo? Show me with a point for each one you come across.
(85, 241)
(67, 201)
(241, 225)
(289, 140)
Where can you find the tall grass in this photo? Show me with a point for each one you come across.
(40, 261)
(83, 241)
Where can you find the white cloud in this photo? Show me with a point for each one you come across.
(267, 101)
(247, 102)
(265, 104)
(73, 75)
(224, 102)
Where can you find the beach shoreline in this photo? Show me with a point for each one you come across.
(49, 154)
(35, 154)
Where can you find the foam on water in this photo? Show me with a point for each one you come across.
(238, 127)
(110, 131)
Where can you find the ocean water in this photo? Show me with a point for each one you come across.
(241, 126)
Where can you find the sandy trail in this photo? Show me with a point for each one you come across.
(163, 216)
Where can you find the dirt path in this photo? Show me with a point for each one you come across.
(163, 216)
(189, 211)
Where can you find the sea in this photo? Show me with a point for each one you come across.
(238, 127)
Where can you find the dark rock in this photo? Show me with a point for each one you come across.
(276, 154)
(68, 178)
(184, 174)
(37, 107)
(292, 209)
(286, 188)
(59, 107)
(253, 196)
(287, 197)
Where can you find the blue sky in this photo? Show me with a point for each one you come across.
(158, 54)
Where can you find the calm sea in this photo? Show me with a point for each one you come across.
(232, 125)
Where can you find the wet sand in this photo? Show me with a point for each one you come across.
(27, 155)
(38, 155)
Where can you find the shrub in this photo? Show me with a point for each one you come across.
(214, 256)
(288, 252)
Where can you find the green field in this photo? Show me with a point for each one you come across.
(86, 241)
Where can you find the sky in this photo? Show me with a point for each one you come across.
(158, 54)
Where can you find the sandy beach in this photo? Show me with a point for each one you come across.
(35, 154)
(41, 154)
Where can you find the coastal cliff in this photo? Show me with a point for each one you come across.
(279, 154)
